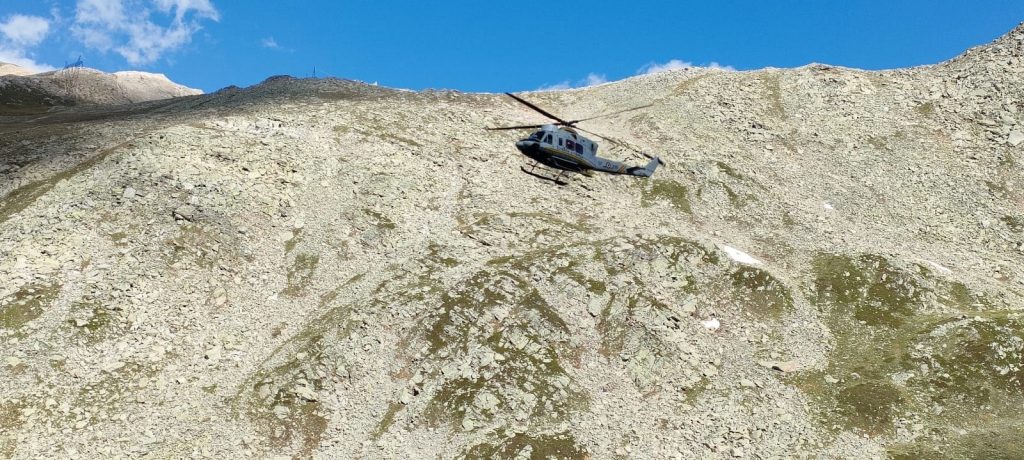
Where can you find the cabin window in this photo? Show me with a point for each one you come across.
(570, 144)
(579, 149)
(559, 141)
(593, 148)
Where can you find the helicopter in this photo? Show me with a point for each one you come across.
(560, 146)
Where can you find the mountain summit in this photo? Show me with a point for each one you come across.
(22, 92)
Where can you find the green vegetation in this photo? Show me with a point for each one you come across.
(199, 244)
(380, 220)
(925, 110)
(291, 420)
(878, 143)
(18, 100)
(10, 422)
(730, 171)
(997, 189)
(282, 414)
(1014, 223)
(27, 304)
(526, 346)
(980, 361)
(687, 85)
(738, 200)
(300, 274)
(671, 192)
(274, 398)
(388, 420)
(294, 241)
(876, 292)
(435, 254)
(540, 447)
(22, 197)
(761, 293)
(869, 305)
(773, 90)
(92, 319)
(998, 441)
(119, 238)
(957, 295)
(869, 406)
(895, 357)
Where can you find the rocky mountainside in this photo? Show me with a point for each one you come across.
(831, 265)
(22, 92)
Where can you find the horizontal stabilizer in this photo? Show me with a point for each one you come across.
(646, 171)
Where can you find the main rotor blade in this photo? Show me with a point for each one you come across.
(651, 157)
(622, 144)
(610, 114)
(613, 141)
(538, 109)
(506, 128)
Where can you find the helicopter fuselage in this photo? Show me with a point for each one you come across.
(565, 149)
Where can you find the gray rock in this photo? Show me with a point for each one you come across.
(186, 213)
(1015, 138)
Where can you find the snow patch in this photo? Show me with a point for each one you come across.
(739, 256)
(937, 267)
(711, 324)
(827, 206)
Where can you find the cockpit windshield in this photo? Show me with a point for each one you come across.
(537, 135)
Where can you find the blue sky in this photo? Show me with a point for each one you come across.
(487, 46)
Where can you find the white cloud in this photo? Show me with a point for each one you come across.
(18, 58)
(25, 30)
(269, 42)
(18, 35)
(676, 64)
(555, 87)
(595, 79)
(203, 8)
(105, 12)
(592, 79)
(127, 27)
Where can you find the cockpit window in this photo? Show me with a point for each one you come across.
(547, 139)
(537, 135)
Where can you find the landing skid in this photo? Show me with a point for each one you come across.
(531, 171)
(542, 176)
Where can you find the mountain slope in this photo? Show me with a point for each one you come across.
(11, 69)
(24, 93)
(330, 269)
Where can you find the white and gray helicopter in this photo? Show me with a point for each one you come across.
(560, 146)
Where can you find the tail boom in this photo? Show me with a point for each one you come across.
(646, 171)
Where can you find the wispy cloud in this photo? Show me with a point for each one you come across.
(592, 79)
(595, 79)
(19, 34)
(141, 31)
(270, 43)
(677, 64)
